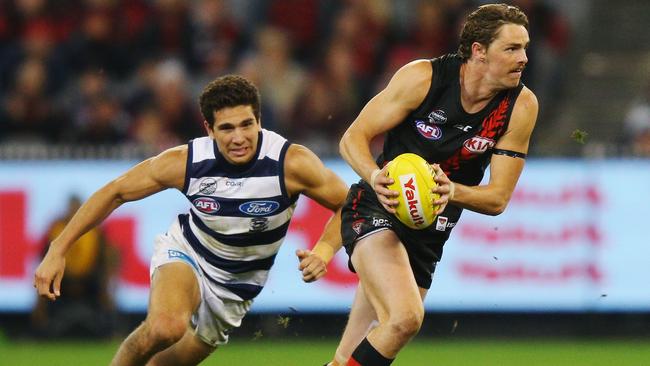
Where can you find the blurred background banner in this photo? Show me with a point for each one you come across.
(572, 239)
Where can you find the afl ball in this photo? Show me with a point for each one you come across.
(413, 179)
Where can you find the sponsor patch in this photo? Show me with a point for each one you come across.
(430, 132)
(379, 222)
(208, 186)
(478, 144)
(441, 223)
(171, 253)
(206, 204)
(356, 226)
(411, 197)
(234, 183)
(259, 208)
(259, 224)
(438, 117)
(464, 128)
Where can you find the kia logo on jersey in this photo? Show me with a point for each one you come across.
(259, 208)
(478, 144)
(206, 204)
(428, 131)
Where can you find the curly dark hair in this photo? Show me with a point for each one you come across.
(484, 23)
(226, 92)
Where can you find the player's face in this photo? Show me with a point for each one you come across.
(236, 132)
(506, 55)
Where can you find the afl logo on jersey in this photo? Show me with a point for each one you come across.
(429, 131)
(438, 117)
(478, 144)
(259, 208)
(206, 204)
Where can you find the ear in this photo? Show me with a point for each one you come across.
(479, 51)
(208, 129)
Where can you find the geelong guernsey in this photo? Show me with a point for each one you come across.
(239, 215)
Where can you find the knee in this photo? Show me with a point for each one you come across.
(165, 330)
(406, 323)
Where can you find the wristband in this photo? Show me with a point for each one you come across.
(373, 176)
(452, 190)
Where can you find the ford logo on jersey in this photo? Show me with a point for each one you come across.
(206, 204)
(259, 208)
(431, 132)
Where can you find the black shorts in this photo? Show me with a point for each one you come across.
(363, 215)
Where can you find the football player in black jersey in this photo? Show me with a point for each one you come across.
(460, 112)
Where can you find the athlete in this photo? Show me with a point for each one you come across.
(243, 182)
(461, 112)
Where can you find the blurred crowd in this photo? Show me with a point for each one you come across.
(106, 72)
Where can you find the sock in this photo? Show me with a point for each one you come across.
(366, 355)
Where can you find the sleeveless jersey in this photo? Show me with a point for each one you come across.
(240, 213)
(440, 131)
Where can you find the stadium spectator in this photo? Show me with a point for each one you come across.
(299, 20)
(550, 35)
(87, 309)
(214, 28)
(28, 114)
(243, 182)
(362, 26)
(636, 131)
(36, 38)
(96, 43)
(168, 33)
(102, 121)
(164, 86)
(329, 102)
(429, 34)
(282, 80)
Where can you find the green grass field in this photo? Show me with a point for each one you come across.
(432, 352)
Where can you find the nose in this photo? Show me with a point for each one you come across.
(238, 136)
(523, 58)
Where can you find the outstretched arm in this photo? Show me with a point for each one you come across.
(493, 198)
(306, 174)
(153, 175)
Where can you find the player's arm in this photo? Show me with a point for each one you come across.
(167, 170)
(505, 168)
(405, 92)
(306, 174)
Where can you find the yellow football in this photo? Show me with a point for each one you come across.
(413, 179)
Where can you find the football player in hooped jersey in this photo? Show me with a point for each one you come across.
(243, 182)
(461, 112)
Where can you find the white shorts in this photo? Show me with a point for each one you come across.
(216, 314)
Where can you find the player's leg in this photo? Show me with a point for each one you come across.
(362, 318)
(361, 321)
(174, 296)
(190, 350)
(383, 267)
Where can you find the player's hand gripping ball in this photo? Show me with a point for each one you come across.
(413, 179)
